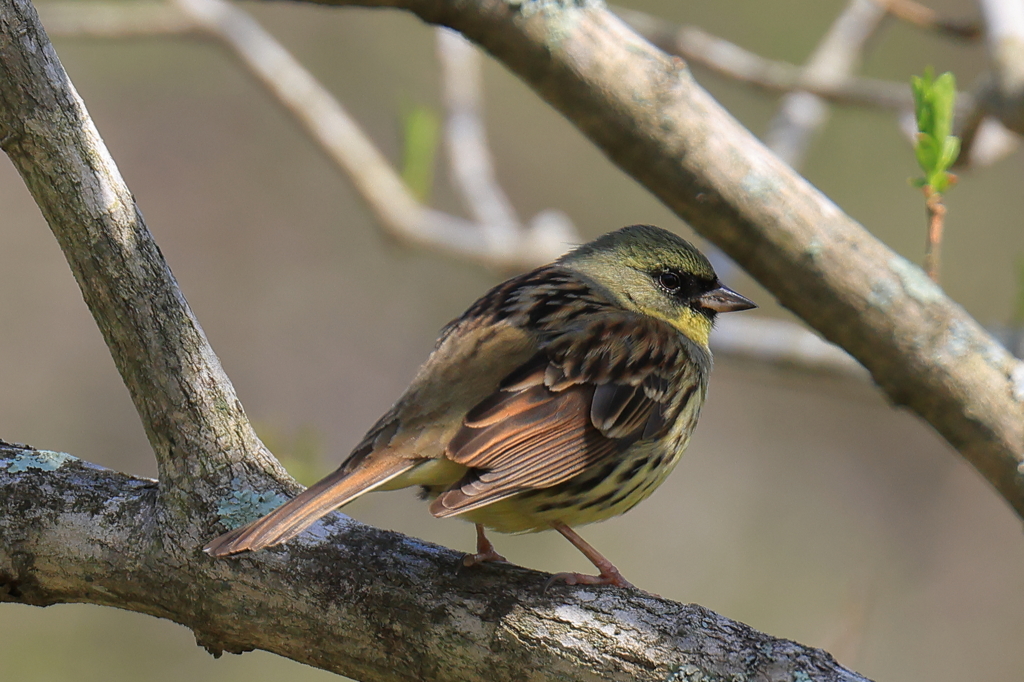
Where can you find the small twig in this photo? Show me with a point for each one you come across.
(471, 166)
(736, 63)
(925, 17)
(837, 56)
(936, 219)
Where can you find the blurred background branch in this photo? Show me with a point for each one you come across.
(736, 63)
(928, 18)
(839, 54)
(496, 239)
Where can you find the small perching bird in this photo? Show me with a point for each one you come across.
(562, 397)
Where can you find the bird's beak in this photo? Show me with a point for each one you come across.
(725, 300)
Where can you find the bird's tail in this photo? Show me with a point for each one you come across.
(294, 516)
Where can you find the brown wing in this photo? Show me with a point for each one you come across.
(592, 391)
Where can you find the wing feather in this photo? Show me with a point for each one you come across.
(591, 391)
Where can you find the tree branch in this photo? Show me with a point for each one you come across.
(781, 343)
(736, 63)
(188, 407)
(338, 595)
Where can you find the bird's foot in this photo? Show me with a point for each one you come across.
(481, 557)
(609, 576)
(484, 550)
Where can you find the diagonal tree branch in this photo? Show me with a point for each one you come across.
(187, 405)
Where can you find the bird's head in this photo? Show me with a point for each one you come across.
(657, 273)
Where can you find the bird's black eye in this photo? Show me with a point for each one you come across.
(670, 281)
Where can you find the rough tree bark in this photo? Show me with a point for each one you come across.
(373, 604)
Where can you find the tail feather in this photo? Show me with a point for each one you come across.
(294, 516)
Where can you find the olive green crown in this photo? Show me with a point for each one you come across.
(645, 248)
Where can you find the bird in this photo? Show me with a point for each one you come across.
(563, 396)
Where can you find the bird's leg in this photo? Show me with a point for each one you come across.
(609, 574)
(484, 550)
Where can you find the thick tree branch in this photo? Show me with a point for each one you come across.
(187, 405)
(338, 596)
(657, 124)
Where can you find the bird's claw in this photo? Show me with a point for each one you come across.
(481, 557)
(607, 577)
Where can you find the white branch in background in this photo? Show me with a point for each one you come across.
(472, 170)
(1002, 94)
(736, 63)
(472, 167)
(802, 114)
(781, 343)
(395, 208)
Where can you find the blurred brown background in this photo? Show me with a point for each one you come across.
(806, 505)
